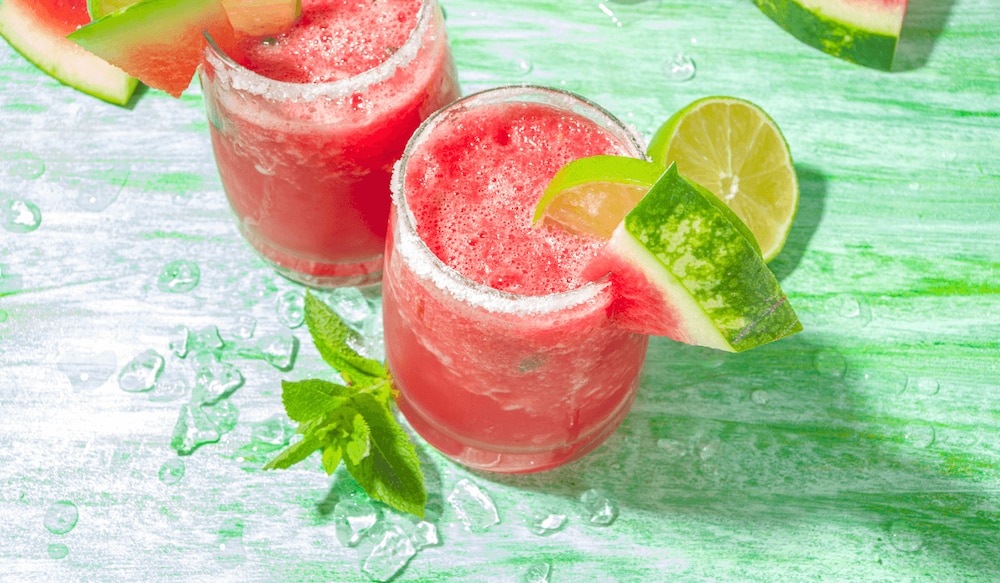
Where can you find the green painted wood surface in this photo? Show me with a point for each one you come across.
(863, 449)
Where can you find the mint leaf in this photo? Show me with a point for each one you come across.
(352, 424)
(391, 471)
(331, 335)
(311, 399)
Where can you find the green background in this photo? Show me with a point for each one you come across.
(864, 449)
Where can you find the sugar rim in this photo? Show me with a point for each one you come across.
(243, 79)
(425, 264)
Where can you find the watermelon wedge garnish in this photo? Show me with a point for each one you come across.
(865, 32)
(680, 261)
(161, 42)
(37, 29)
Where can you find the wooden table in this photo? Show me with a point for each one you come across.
(866, 448)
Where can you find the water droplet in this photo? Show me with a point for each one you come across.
(831, 363)
(545, 523)
(206, 340)
(279, 350)
(223, 414)
(914, 186)
(680, 69)
(850, 308)
(179, 276)
(141, 373)
(172, 471)
(87, 372)
(245, 327)
(292, 308)
(597, 508)
(708, 449)
(919, 435)
(20, 215)
(215, 381)
(537, 573)
(193, 430)
(923, 386)
(95, 188)
(672, 447)
(607, 11)
(474, 506)
(352, 518)
(392, 551)
(170, 387)
(58, 551)
(9, 282)
(23, 165)
(61, 517)
(759, 397)
(274, 432)
(905, 538)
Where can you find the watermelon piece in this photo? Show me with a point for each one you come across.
(159, 41)
(37, 29)
(262, 17)
(683, 265)
(865, 32)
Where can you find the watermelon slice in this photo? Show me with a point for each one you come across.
(865, 32)
(37, 29)
(158, 41)
(683, 265)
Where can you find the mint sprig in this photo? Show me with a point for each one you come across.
(351, 423)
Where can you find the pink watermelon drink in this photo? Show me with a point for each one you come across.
(504, 356)
(306, 126)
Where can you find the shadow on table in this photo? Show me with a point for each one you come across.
(924, 22)
(788, 445)
(812, 201)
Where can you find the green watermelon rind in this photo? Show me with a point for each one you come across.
(702, 269)
(62, 59)
(847, 41)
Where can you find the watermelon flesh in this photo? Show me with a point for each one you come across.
(158, 41)
(37, 29)
(865, 32)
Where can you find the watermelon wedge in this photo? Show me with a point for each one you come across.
(158, 41)
(865, 32)
(683, 265)
(37, 29)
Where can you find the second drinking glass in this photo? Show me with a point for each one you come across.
(306, 126)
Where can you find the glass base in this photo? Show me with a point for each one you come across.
(508, 461)
(316, 274)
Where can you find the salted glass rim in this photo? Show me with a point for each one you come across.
(426, 264)
(244, 79)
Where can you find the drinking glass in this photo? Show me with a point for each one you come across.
(496, 380)
(306, 166)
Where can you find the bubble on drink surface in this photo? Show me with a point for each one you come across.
(546, 523)
(391, 551)
(172, 471)
(141, 373)
(18, 215)
(179, 276)
(352, 518)
(473, 506)
(680, 68)
(87, 371)
(61, 517)
(291, 308)
(215, 381)
(537, 573)
(597, 508)
(57, 551)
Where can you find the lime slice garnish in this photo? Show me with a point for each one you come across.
(590, 196)
(734, 149)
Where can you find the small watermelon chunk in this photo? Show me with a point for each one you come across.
(262, 17)
(682, 265)
(158, 41)
(37, 29)
(865, 32)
